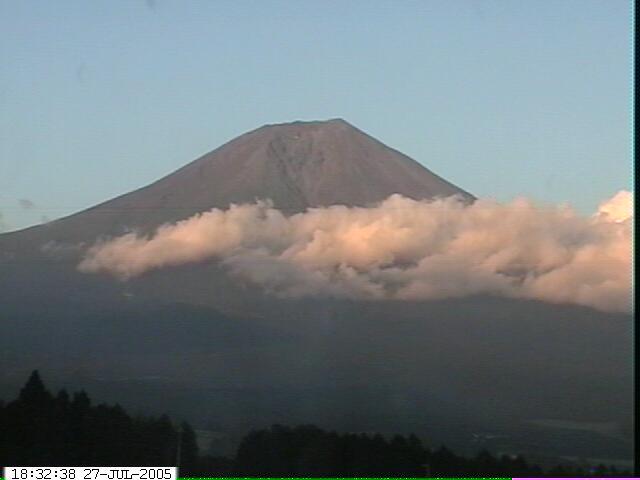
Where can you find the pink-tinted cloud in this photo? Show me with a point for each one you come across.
(401, 248)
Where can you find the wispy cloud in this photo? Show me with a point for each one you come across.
(26, 204)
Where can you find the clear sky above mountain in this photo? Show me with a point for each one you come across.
(500, 98)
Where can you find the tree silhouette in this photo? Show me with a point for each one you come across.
(39, 429)
(188, 451)
(33, 394)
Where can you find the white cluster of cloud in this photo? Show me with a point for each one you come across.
(619, 208)
(401, 249)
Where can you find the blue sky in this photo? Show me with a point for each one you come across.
(503, 98)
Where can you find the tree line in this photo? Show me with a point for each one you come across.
(42, 429)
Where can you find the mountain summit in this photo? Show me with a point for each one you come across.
(297, 165)
(311, 164)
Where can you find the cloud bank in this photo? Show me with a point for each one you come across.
(401, 249)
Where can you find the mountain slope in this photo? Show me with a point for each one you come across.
(241, 356)
(296, 165)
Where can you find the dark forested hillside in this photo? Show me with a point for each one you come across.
(42, 429)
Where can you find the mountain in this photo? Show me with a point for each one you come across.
(190, 341)
(296, 165)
